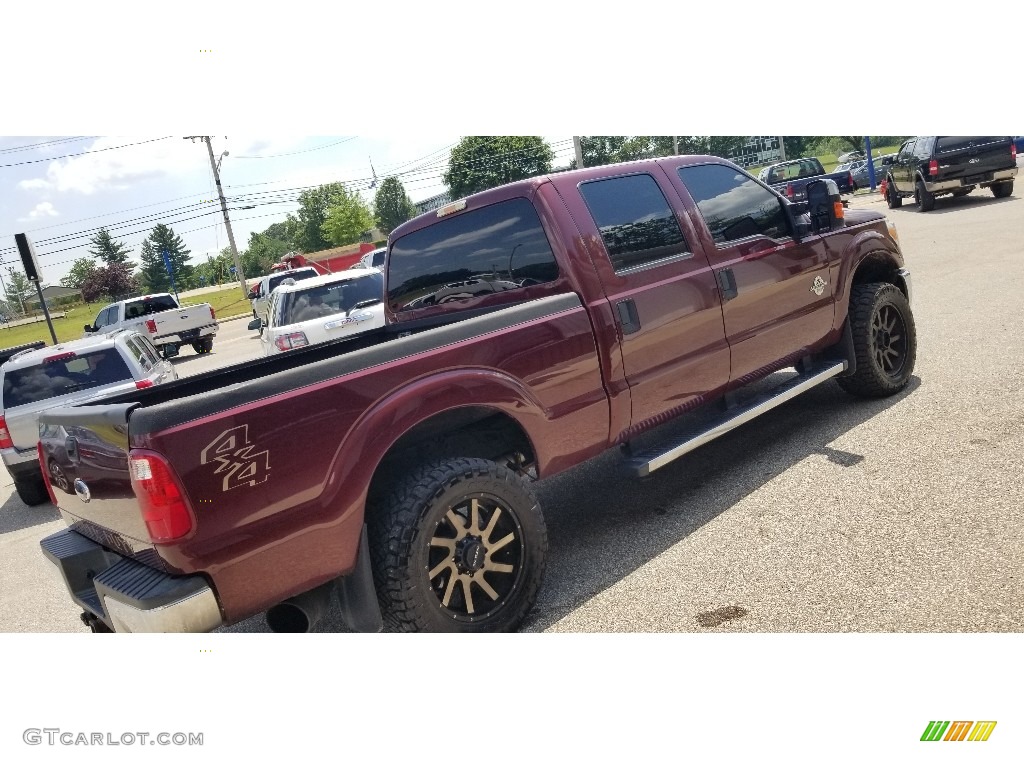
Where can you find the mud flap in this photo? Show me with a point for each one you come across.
(357, 596)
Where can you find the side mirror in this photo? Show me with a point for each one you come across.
(255, 325)
(824, 205)
(89, 328)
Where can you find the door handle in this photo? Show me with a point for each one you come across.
(727, 284)
(629, 320)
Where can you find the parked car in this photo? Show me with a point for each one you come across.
(858, 169)
(374, 259)
(322, 309)
(36, 379)
(792, 177)
(260, 293)
(929, 166)
(159, 316)
(849, 156)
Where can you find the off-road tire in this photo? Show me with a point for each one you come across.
(1003, 189)
(925, 199)
(892, 197)
(32, 490)
(884, 340)
(505, 550)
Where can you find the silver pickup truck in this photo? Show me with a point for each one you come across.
(158, 315)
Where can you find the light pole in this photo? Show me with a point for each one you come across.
(215, 165)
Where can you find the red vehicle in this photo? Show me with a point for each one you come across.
(325, 262)
(392, 471)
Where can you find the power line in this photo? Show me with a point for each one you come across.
(289, 154)
(52, 142)
(79, 154)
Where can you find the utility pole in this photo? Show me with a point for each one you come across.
(579, 151)
(675, 145)
(215, 166)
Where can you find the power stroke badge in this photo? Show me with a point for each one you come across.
(237, 459)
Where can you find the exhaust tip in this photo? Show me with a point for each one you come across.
(288, 618)
(302, 612)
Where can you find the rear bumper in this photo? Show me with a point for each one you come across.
(188, 337)
(127, 595)
(21, 464)
(970, 181)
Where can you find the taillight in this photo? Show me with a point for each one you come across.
(167, 513)
(143, 383)
(46, 474)
(287, 341)
(5, 436)
(1013, 150)
(213, 314)
(849, 180)
(789, 190)
(151, 326)
(933, 167)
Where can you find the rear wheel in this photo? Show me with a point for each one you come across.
(203, 346)
(458, 546)
(1003, 188)
(925, 199)
(892, 197)
(32, 490)
(884, 340)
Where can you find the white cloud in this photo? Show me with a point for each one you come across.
(119, 168)
(42, 210)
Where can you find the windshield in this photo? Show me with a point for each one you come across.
(331, 299)
(63, 376)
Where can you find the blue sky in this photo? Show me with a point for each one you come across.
(60, 189)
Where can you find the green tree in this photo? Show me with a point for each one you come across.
(482, 162)
(80, 271)
(107, 249)
(309, 236)
(19, 289)
(348, 217)
(263, 252)
(153, 273)
(284, 231)
(392, 205)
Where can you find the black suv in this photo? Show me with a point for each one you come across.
(929, 166)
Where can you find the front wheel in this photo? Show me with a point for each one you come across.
(458, 546)
(892, 197)
(884, 340)
(59, 478)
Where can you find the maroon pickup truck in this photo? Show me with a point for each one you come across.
(529, 328)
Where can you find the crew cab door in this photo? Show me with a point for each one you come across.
(660, 287)
(776, 292)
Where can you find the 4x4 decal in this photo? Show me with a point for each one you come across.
(236, 459)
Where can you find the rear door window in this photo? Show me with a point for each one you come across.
(495, 249)
(63, 375)
(635, 220)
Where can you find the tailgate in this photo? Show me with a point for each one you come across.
(89, 446)
(960, 156)
(182, 321)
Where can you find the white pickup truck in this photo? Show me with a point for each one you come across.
(168, 325)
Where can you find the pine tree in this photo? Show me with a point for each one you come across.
(152, 273)
(163, 240)
(108, 250)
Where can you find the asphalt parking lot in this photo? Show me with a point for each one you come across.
(830, 514)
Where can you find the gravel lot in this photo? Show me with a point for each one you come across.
(830, 514)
